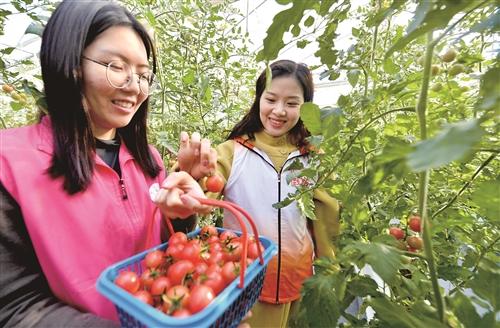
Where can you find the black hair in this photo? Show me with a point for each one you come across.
(73, 26)
(251, 122)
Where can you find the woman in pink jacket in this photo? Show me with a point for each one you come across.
(74, 188)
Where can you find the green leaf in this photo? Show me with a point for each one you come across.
(487, 197)
(384, 259)
(490, 91)
(301, 44)
(363, 286)
(310, 114)
(282, 22)
(390, 67)
(383, 13)
(320, 300)
(306, 205)
(429, 16)
(464, 309)
(353, 77)
(453, 144)
(309, 21)
(189, 77)
(394, 315)
(487, 273)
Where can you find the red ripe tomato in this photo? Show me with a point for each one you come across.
(216, 257)
(214, 280)
(233, 250)
(398, 233)
(415, 223)
(208, 231)
(414, 242)
(144, 296)
(154, 259)
(160, 286)
(178, 295)
(226, 236)
(200, 269)
(148, 276)
(178, 271)
(214, 183)
(230, 271)
(200, 297)
(181, 313)
(191, 252)
(173, 252)
(253, 249)
(128, 280)
(178, 238)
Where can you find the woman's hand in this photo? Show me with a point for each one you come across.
(175, 198)
(196, 156)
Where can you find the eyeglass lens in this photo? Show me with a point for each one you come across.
(119, 75)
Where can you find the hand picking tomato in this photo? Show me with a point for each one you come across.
(128, 280)
(214, 183)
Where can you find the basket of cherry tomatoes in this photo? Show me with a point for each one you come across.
(210, 277)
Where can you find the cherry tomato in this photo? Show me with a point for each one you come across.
(191, 252)
(160, 286)
(144, 296)
(200, 297)
(414, 242)
(214, 183)
(227, 235)
(214, 280)
(230, 271)
(178, 271)
(398, 233)
(154, 259)
(181, 313)
(415, 223)
(179, 295)
(253, 249)
(233, 250)
(148, 276)
(177, 238)
(208, 231)
(128, 280)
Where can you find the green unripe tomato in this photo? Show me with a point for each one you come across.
(456, 69)
(449, 55)
(437, 87)
(435, 69)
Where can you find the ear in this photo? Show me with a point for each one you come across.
(77, 73)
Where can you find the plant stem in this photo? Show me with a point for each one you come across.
(424, 180)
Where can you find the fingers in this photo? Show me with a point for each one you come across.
(195, 143)
(208, 157)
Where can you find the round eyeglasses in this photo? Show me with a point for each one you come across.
(119, 76)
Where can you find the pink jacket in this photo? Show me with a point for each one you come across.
(76, 237)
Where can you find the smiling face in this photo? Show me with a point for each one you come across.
(110, 108)
(280, 105)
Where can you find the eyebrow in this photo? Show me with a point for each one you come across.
(114, 53)
(291, 97)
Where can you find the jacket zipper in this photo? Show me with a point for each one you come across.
(279, 241)
(279, 213)
(123, 190)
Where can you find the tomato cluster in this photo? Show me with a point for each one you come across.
(190, 273)
(413, 242)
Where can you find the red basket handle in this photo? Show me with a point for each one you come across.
(237, 211)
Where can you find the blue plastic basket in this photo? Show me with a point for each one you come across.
(226, 310)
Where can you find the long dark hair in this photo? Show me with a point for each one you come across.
(71, 28)
(251, 122)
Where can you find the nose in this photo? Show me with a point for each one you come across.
(279, 108)
(133, 83)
